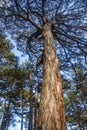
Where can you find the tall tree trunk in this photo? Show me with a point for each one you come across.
(30, 127)
(5, 120)
(51, 115)
(35, 109)
(22, 112)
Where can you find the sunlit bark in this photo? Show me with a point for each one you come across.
(51, 116)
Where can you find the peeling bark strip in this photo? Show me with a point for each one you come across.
(51, 116)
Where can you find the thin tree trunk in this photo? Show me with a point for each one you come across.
(30, 127)
(35, 110)
(22, 113)
(5, 120)
(51, 115)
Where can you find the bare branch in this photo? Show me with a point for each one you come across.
(26, 16)
(34, 35)
(33, 11)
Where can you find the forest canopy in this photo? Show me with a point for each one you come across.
(54, 35)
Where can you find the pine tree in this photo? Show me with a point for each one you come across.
(44, 24)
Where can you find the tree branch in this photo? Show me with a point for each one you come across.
(27, 18)
(34, 35)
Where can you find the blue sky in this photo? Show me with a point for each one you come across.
(15, 51)
(22, 59)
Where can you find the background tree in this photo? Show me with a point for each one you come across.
(7, 62)
(75, 102)
(41, 24)
(14, 86)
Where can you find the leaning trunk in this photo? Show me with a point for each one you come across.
(51, 115)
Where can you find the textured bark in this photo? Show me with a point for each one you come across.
(51, 115)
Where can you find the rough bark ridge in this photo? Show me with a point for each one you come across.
(51, 116)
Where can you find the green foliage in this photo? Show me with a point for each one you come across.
(68, 20)
(14, 85)
(76, 100)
